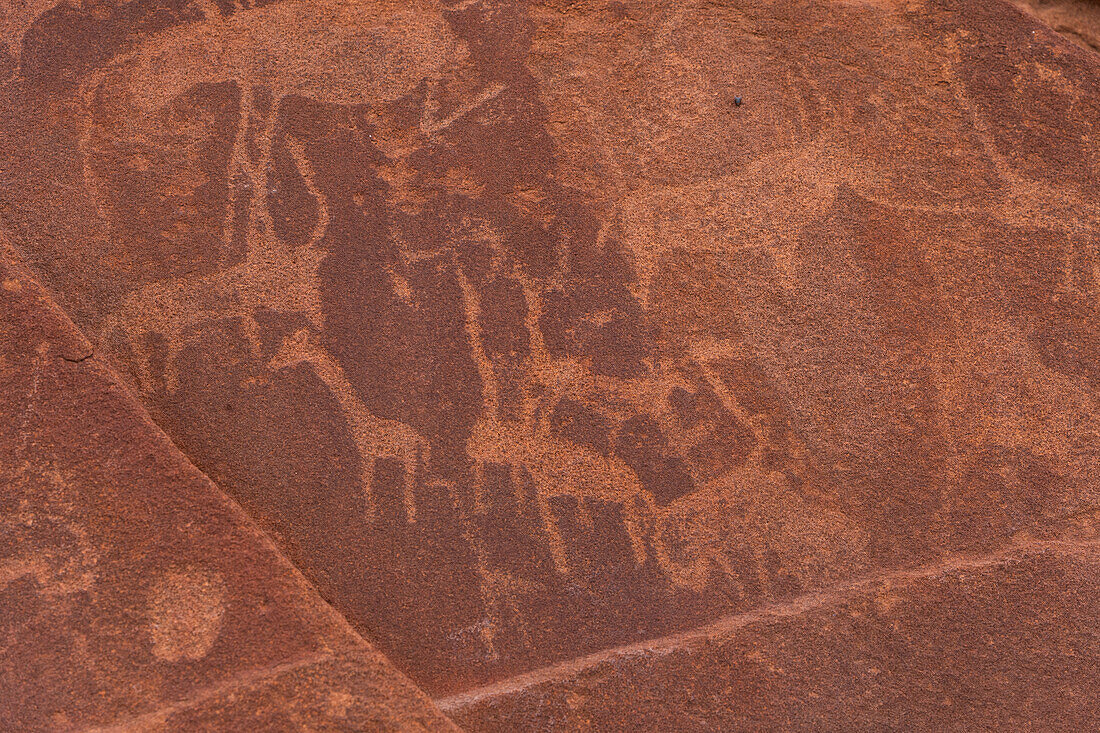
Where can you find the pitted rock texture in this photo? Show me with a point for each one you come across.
(1077, 20)
(133, 594)
(1002, 642)
(523, 341)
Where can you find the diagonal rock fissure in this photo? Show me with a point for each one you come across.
(536, 335)
(84, 351)
(242, 683)
(729, 625)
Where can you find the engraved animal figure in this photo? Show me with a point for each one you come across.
(375, 437)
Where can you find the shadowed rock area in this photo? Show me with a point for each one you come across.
(1077, 20)
(583, 393)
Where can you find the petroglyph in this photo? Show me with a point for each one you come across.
(559, 469)
(56, 551)
(431, 124)
(1028, 198)
(251, 51)
(375, 437)
(596, 338)
(276, 275)
(339, 51)
(185, 614)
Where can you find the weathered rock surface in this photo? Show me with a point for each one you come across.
(525, 343)
(1077, 20)
(1003, 642)
(133, 594)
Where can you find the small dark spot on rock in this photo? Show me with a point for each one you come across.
(78, 357)
(737, 101)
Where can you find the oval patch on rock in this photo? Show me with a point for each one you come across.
(185, 614)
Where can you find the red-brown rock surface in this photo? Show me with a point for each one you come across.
(1077, 20)
(133, 593)
(589, 397)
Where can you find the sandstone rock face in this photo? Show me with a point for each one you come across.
(555, 371)
(1077, 20)
(133, 594)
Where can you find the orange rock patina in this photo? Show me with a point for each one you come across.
(588, 396)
